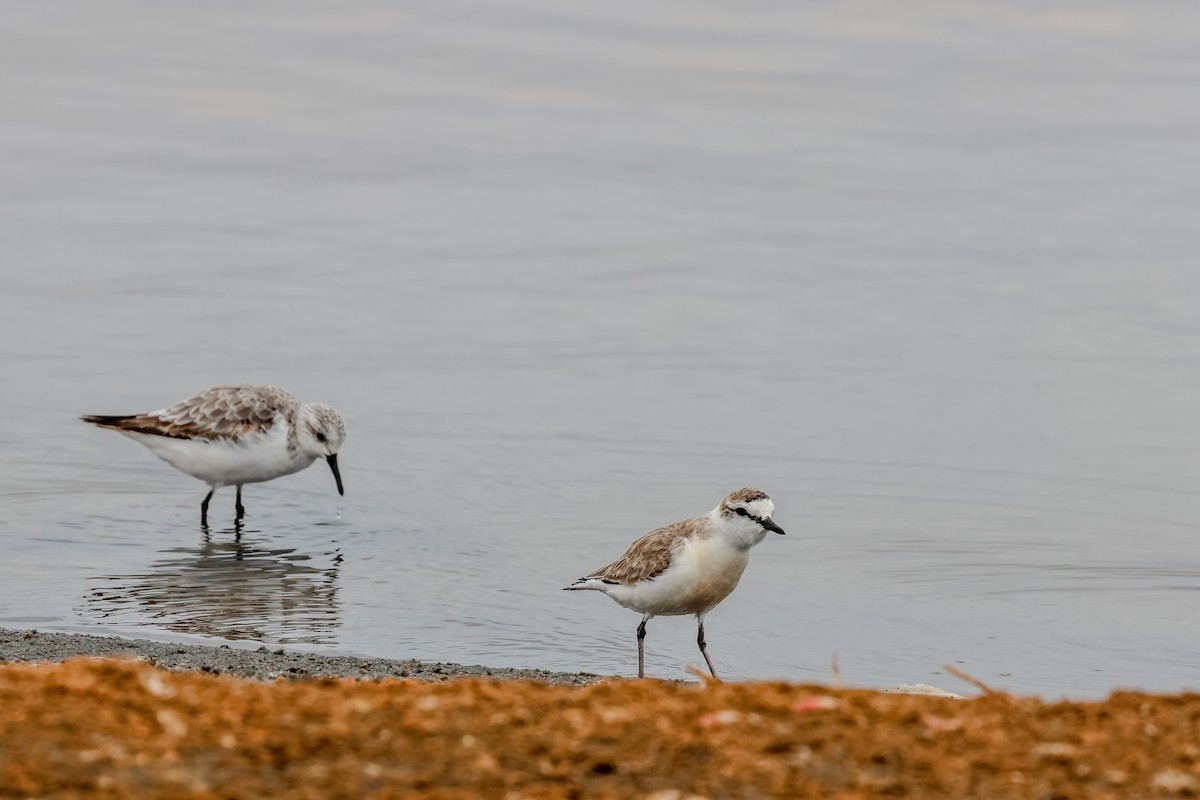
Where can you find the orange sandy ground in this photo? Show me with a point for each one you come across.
(103, 728)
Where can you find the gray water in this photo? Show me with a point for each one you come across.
(924, 273)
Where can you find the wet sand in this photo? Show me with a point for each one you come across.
(263, 663)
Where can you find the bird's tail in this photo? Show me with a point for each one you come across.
(103, 421)
(135, 423)
(590, 582)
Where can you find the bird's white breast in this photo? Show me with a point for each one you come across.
(702, 574)
(252, 459)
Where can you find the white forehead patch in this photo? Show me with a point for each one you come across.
(758, 508)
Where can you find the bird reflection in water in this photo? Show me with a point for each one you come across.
(231, 588)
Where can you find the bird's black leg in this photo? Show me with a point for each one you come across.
(641, 634)
(204, 508)
(703, 649)
(241, 510)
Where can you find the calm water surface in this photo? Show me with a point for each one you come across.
(927, 275)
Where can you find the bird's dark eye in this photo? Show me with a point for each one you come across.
(741, 512)
(320, 437)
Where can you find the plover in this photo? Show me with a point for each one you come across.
(234, 435)
(688, 567)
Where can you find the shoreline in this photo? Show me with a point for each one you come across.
(32, 645)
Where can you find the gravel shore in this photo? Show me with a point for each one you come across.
(262, 664)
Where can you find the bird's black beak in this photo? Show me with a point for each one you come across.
(337, 476)
(770, 525)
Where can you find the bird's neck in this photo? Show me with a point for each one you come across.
(737, 532)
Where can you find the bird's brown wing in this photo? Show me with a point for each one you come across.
(650, 555)
(224, 412)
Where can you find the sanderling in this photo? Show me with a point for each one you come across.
(688, 567)
(234, 435)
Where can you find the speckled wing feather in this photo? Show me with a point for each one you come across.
(225, 412)
(650, 555)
